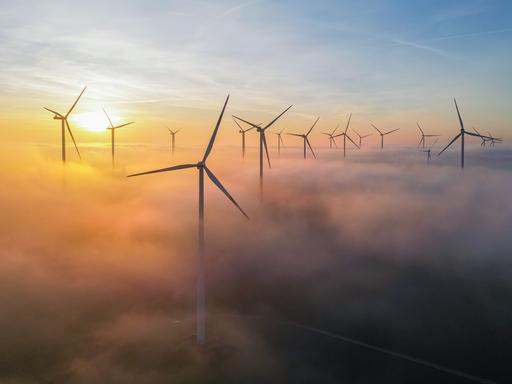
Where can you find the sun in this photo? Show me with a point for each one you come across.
(93, 121)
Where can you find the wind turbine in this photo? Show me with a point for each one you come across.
(461, 135)
(242, 132)
(331, 137)
(64, 124)
(427, 151)
(422, 140)
(263, 143)
(112, 131)
(279, 140)
(305, 138)
(173, 139)
(361, 137)
(202, 168)
(383, 134)
(346, 136)
(494, 140)
(484, 140)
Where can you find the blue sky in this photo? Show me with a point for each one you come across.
(391, 62)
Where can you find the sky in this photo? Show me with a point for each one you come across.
(391, 63)
(97, 270)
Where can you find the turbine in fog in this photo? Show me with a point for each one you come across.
(423, 135)
(113, 130)
(263, 143)
(173, 139)
(428, 151)
(242, 132)
(346, 136)
(331, 137)
(361, 138)
(305, 138)
(64, 124)
(279, 141)
(461, 135)
(383, 134)
(202, 168)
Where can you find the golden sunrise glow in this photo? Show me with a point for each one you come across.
(93, 121)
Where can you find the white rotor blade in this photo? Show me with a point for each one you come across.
(52, 111)
(376, 128)
(76, 101)
(266, 148)
(310, 129)
(310, 147)
(110, 121)
(281, 114)
(72, 138)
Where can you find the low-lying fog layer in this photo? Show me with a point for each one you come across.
(97, 271)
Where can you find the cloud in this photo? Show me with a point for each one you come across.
(97, 271)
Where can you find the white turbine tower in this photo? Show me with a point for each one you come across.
(305, 138)
(64, 124)
(113, 130)
(263, 143)
(202, 168)
(383, 134)
(331, 137)
(346, 136)
(461, 135)
(423, 135)
(361, 137)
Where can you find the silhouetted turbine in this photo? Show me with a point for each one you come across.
(279, 140)
(113, 130)
(383, 134)
(331, 137)
(461, 136)
(242, 132)
(346, 136)
(427, 151)
(305, 138)
(263, 143)
(423, 135)
(361, 138)
(64, 125)
(202, 168)
(173, 139)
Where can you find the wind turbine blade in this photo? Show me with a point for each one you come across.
(168, 169)
(362, 137)
(73, 138)
(451, 142)
(294, 134)
(214, 134)
(76, 101)
(124, 125)
(421, 141)
(458, 114)
(335, 129)
(481, 136)
(310, 147)
(217, 182)
(323, 133)
(334, 142)
(348, 137)
(52, 111)
(434, 143)
(281, 114)
(348, 122)
(310, 129)
(421, 130)
(341, 134)
(357, 133)
(474, 129)
(248, 129)
(245, 121)
(237, 123)
(266, 148)
(281, 140)
(376, 128)
(110, 121)
(432, 135)
(394, 130)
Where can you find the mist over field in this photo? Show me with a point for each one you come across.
(97, 271)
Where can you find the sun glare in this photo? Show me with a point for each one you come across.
(93, 121)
